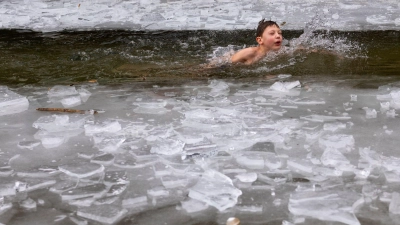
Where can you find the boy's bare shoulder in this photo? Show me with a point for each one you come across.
(245, 55)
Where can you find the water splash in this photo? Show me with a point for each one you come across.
(317, 39)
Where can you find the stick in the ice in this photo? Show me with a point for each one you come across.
(68, 110)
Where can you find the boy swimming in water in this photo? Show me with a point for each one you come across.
(268, 37)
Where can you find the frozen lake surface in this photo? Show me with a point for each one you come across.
(275, 151)
(58, 15)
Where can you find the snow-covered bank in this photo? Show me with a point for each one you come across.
(56, 15)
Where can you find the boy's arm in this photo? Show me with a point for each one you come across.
(243, 56)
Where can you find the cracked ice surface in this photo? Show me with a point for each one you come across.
(57, 15)
(210, 150)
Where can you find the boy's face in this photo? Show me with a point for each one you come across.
(271, 38)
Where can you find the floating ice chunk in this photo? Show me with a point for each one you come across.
(164, 146)
(251, 161)
(301, 166)
(71, 101)
(62, 186)
(353, 97)
(95, 190)
(55, 139)
(109, 143)
(116, 189)
(394, 206)
(6, 171)
(253, 209)
(218, 88)
(103, 159)
(391, 113)
(369, 156)
(193, 205)
(56, 123)
(392, 177)
(216, 190)
(28, 205)
(333, 157)
(322, 118)
(236, 100)
(62, 90)
(81, 170)
(325, 205)
(52, 123)
(247, 177)
(202, 149)
(170, 181)
(161, 169)
(116, 177)
(11, 102)
(284, 76)
(52, 141)
(110, 126)
(136, 201)
(285, 86)
(158, 192)
(370, 113)
(5, 207)
(30, 145)
(108, 214)
(84, 94)
(334, 126)
(385, 106)
(150, 110)
(308, 101)
(395, 103)
(149, 102)
(336, 141)
(152, 17)
(378, 20)
(39, 172)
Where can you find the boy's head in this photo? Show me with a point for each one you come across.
(263, 24)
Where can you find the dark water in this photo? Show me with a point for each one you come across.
(122, 56)
(32, 62)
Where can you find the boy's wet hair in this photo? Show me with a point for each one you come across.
(263, 24)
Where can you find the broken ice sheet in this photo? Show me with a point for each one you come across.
(116, 177)
(322, 118)
(333, 157)
(103, 158)
(95, 190)
(30, 145)
(337, 141)
(127, 161)
(11, 102)
(218, 88)
(81, 169)
(60, 123)
(215, 189)
(39, 172)
(192, 205)
(109, 143)
(166, 146)
(71, 101)
(62, 90)
(110, 126)
(174, 181)
(108, 214)
(325, 205)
